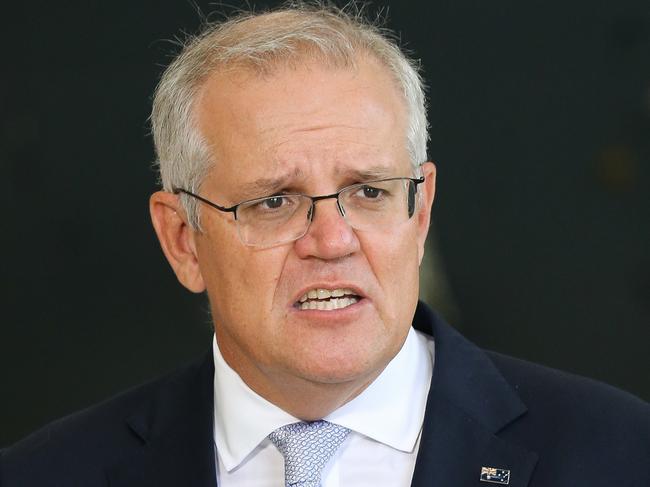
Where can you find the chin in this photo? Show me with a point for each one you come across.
(355, 352)
(339, 369)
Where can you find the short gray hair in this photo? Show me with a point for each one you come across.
(263, 41)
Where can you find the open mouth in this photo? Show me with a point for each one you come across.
(327, 299)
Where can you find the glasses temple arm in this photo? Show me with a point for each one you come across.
(231, 209)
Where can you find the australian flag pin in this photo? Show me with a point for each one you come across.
(495, 475)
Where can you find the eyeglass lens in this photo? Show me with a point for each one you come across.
(284, 218)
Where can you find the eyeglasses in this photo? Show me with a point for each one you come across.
(284, 218)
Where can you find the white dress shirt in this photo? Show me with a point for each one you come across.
(385, 422)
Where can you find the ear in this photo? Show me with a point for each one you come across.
(423, 215)
(176, 239)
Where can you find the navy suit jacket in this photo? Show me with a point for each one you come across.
(543, 427)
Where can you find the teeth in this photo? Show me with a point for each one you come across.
(331, 304)
(325, 294)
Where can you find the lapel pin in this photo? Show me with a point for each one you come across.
(495, 475)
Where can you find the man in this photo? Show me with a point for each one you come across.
(292, 150)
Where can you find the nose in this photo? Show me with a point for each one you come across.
(329, 236)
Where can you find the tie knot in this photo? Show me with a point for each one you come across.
(306, 448)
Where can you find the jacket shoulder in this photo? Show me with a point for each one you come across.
(77, 448)
(549, 389)
(579, 426)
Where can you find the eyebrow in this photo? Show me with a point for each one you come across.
(262, 187)
(265, 186)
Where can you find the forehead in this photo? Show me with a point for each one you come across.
(301, 122)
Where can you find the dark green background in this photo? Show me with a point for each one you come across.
(540, 125)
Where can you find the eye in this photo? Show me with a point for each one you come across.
(273, 203)
(370, 192)
(272, 209)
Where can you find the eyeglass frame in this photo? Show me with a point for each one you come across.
(310, 214)
(314, 199)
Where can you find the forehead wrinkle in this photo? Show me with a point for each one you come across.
(276, 125)
(328, 145)
(370, 173)
(327, 116)
(316, 128)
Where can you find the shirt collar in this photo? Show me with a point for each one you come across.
(399, 393)
(243, 419)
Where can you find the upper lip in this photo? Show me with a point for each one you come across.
(330, 286)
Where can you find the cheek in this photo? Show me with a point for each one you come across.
(394, 260)
(241, 281)
(393, 256)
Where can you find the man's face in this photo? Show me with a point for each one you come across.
(311, 130)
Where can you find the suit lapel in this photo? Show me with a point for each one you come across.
(173, 434)
(469, 403)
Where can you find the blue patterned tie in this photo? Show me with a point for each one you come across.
(306, 448)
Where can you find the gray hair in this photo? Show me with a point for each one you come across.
(263, 41)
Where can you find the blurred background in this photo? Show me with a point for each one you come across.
(540, 248)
